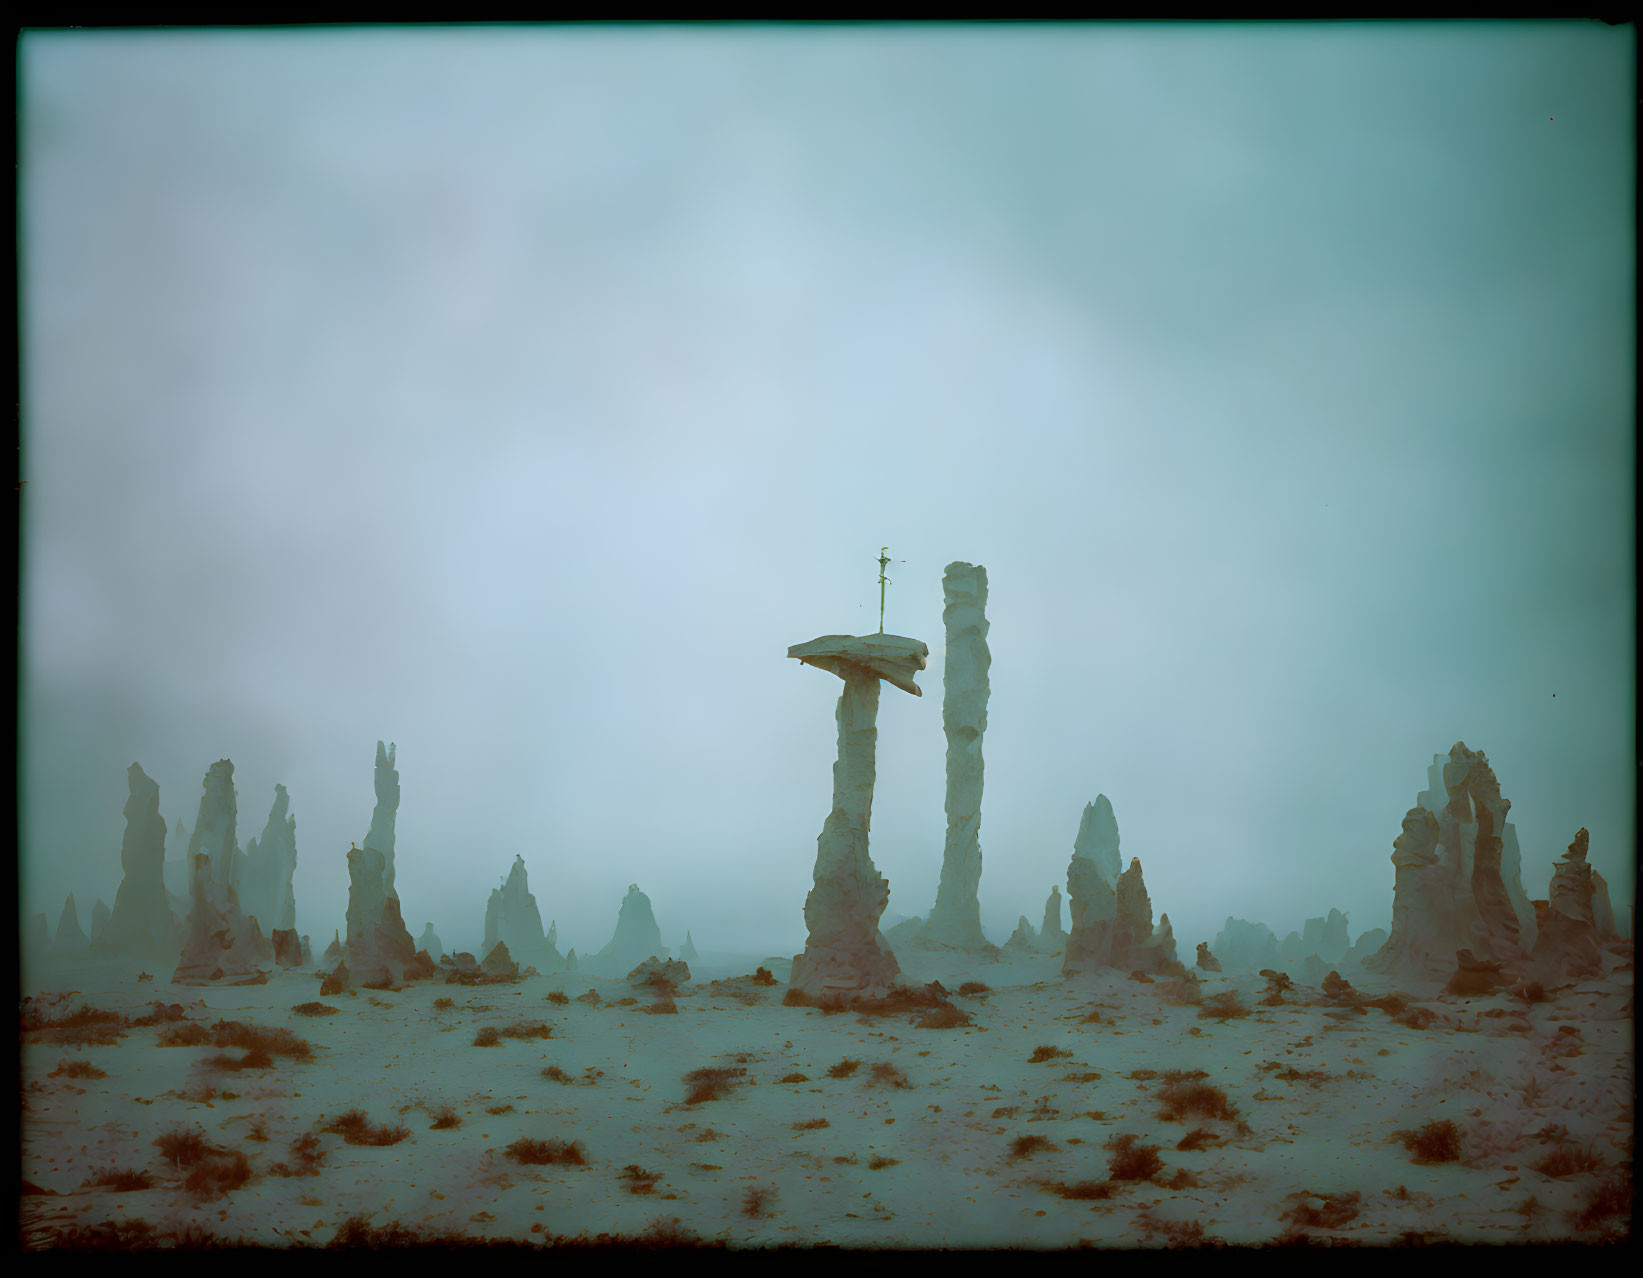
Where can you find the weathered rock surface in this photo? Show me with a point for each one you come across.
(99, 921)
(1136, 946)
(141, 926)
(843, 959)
(381, 834)
(333, 951)
(1243, 946)
(499, 962)
(1568, 947)
(659, 972)
(687, 951)
(1326, 937)
(430, 943)
(955, 919)
(1092, 885)
(1023, 940)
(287, 947)
(266, 892)
(1455, 887)
(635, 939)
(214, 828)
(1603, 911)
(511, 915)
(1052, 937)
(221, 943)
(1366, 944)
(1474, 976)
(69, 941)
(307, 952)
(378, 948)
(1206, 961)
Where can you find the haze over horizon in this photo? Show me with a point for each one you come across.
(520, 395)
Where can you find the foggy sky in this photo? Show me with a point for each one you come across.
(520, 395)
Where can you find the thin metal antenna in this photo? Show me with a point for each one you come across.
(884, 562)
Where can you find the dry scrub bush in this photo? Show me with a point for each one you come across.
(711, 1083)
(1311, 1077)
(444, 1118)
(224, 1172)
(1322, 1211)
(490, 1035)
(884, 1074)
(356, 1129)
(161, 1014)
(86, 1025)
(1044, 1052)
(182, 1148)
(1434, 1142)
(662, 1007)
(878, 1162)
(1608, 1207)
(499, 1109)
(558, 999)
(1027, 1146)
(811, 1124)
(188, 1034)
(756, 1201)
(1130, 1160)
(274, 1041)
(315, 1009)
(971, 989)
(256, 1058)
(133, 1235)
(591, 998)
(1198, 1138)
(442, 1003)
(638, 1180)
(76, 1069)
(1176, 1233)
(120, 1181)
(555, 1075)
(843, 1069)
(306, 1158)
(1416, 1017)
(1187, 993)
(1569, 1160)
(1224, 1006)
(948, 1017)
(1082, 1190)
(1086, 1076)
(793, 1078)
(542, 1153)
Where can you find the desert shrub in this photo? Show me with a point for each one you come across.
(1569, 1160)
(558, 999)
(756, 1201)
(762, 977)
(1416, 1017)
(591, 998)
(356, 1129)
(878, 1162)
(133, 1235)
(843, 1069)
(1044, 1052)
(661, 1007)
(625, 1002)
(161, 1014)
(542, 1153)
(1322, 1211)
(1225, 1006)
(188, 1034)
(220, 1174)
(1198, 1138)
(274, 1041)
(444, 1118)
(1132, 1161)
(488, 1036)
(638, 1180)
(1143, 1075)
(811, 1124)
(1082, 1076)
(945, 1017)
(76, 1069)
(258, 1132)
(86, 1025)
(1311, 1077)
(182, 1148)
(1092, 1017)
(884, 1074)
(120, 1181)
(499, 1109)
(794, 1078)
(527, 1030)
(972, 988)
(555, 1075)
(711, 1083)
(1006, 1111)
(1434, 1142)
(306, 1158)
(1082, 1190)
(1027, 1146)
(1184, 1098)
(1608, 1206)
(256, 1058)
(316, 1009)
(1187, 993)
(442, 1003)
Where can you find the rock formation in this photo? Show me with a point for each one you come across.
(141, 925)
(1603, 911)
(1474, 976)
(956, 918)
(381, 834)
(1326, 937)
(333, 952)
(1023, 940)
(69, 941)
(307, 952)
(1567, 947)
(659, 974)
(430, 944)
(1135, 945)
(1366, 944)
(1052, 938)
(636, 937)
(511, 915)
(498, 962)
(843, 960)
(1092, 885)
(99, 921)
(221, 943)
(1206, 961)
(378, 949)
(287, 947)
(1456, 886)
(270, 863)
(1243, 946)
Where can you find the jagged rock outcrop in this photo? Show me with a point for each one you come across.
(660, 973)
(1052, 937)
(333, 952)
(1207, 962)
(1456, 884)
(1243, 946)
(1567, 947)
(69, 941)
(141, 926)
(955, 919)
(266, 892)
(381, 834)
(221, 943)
(687, 951)
(99, 921)
(843, 958)
(1326, 937)
(1136, 945)
(498, 962)
(1092, 886)
(430, 943)
(636, 937)
(287, 947)
(511, 915)
(1023, 940)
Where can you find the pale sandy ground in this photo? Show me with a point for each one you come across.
(951, 1180)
